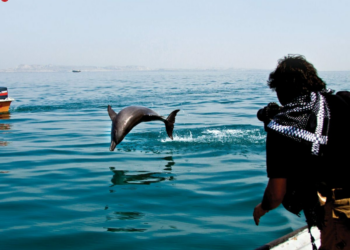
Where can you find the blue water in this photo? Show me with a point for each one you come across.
(61, 187)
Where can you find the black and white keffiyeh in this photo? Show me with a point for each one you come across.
(294, 120)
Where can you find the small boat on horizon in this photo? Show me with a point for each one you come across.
(5, 101)
(76, 71)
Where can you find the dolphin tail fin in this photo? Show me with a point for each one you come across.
(111, 112)
(169, 124)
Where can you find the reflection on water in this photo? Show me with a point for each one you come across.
(122, 177)
(131, 230)
(169, 164)
(125, 216)
(5, 116)
(125, 177)
(4, 126)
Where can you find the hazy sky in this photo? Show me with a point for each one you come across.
(174, 33)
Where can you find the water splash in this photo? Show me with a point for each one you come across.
(220, 135)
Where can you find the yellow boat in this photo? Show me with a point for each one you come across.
(5, 101)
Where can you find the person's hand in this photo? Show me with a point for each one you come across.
(258, 213)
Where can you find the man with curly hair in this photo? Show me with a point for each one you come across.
(307, 148)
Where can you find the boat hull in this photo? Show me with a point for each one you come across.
(297, 240)
(5, 106)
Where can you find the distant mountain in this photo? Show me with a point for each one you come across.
(55, 68)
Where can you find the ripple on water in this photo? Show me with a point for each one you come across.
(61, 187)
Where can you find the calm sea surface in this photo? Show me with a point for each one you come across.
(61, 187)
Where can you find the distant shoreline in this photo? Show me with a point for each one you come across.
(54, 68)
(25, 68)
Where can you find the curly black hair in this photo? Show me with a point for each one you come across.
(295, 76)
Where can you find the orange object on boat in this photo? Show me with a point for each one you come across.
(5, 101)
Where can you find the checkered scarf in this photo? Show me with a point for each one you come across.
(293, 120)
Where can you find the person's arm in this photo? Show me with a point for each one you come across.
(273, 197)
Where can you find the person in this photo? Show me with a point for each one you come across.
(307, 148)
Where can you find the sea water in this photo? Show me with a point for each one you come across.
(61, 187)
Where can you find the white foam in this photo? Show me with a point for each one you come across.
(216, 135)
(179, 138)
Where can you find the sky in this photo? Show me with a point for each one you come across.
(174, 34)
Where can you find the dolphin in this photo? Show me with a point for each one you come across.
(129, 117)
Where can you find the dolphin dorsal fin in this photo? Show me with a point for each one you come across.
(111, 113)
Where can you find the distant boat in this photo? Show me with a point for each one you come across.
(5, 101)
(76, 71)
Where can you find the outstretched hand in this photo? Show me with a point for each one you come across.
(258, 213)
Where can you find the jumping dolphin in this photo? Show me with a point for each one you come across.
(129, 117)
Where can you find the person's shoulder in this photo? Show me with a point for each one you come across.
(339, 101)
(344, 95)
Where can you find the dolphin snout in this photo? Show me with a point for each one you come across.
(113, 145)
